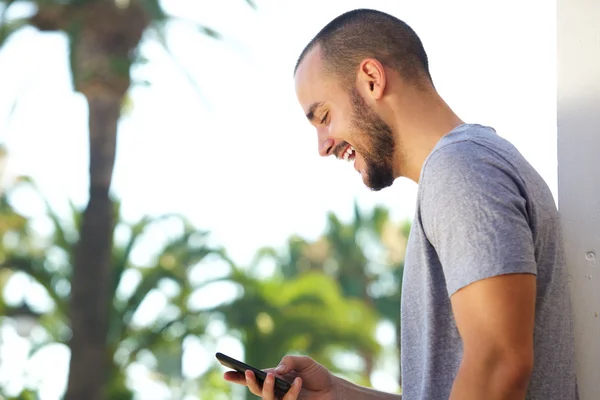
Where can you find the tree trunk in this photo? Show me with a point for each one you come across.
(102, 39)
(89, 307)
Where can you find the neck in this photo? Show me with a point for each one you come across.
(419, 119)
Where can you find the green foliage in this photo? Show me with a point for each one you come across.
(120, 66)
(213, 386)
(305, 308)
(154, 10)
(364, 256)
(116, 388)
(8, 28)
(24, 395)
(172, 263)
(305, 315)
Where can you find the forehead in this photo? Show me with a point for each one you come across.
(311, 81)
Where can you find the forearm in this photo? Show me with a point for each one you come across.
(491, 381)
(350, 391)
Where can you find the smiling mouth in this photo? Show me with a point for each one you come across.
(349, 153)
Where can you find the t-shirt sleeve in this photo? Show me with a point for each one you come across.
(474, 212)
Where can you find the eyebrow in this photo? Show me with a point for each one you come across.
(311, 110)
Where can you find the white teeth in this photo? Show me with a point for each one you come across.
(349, 151)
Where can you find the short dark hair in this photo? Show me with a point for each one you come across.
(362, 33)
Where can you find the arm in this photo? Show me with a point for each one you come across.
(495, 319)
(475, 215)
(311, 381)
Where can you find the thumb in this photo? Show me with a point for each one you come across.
(294, 363)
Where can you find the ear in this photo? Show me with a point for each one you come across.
(371, 78)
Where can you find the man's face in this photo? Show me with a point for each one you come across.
(347, 127)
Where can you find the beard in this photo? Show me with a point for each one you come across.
(377, 143)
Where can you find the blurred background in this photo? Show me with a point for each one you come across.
(220, 228)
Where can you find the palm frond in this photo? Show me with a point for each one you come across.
(173, 262)
(62, 237)
(56, 325)
(154, 10)
(122, 257)
(358, 217)
(150, 278)
(264, 253)
(34, 267)
(76, 214)
(380, 217)
(10, 219)
(149, 338)
(210, 32)
(6, 4)
(8, 28)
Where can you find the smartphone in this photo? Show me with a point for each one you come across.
(281, 386)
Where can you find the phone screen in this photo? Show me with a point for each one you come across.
(280, 385)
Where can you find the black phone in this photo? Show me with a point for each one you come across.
(281, 386)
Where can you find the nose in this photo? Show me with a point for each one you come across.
(325, 144)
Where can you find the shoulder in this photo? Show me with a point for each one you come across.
(468, 160)
(469, 181)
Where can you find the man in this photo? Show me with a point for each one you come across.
(486, 311)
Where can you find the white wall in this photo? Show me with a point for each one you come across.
(578, 42)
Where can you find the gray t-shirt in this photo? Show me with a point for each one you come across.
(482, 211)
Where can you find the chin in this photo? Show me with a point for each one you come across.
(367, 182)
(377, 176)
(377, 188)
(376, 185)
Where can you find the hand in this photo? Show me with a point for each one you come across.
(311, 381)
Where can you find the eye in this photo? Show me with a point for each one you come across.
(324, 117)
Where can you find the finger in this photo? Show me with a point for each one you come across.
(294, 391)
(286, 377)
(298, 363)
(253, 385)
(235, 377)
(268, 389)
(290, 376)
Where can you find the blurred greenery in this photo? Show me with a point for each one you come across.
(314, 299)
(366, 257)
(48, 261)
(304, 315)
(324, 298)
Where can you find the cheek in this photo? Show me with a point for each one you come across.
(341, 129)
(337, 132)
(362, 150)
(359, 162)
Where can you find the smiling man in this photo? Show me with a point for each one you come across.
(486, 310)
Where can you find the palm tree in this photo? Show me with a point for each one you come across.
(104, 37)
(126, 339)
